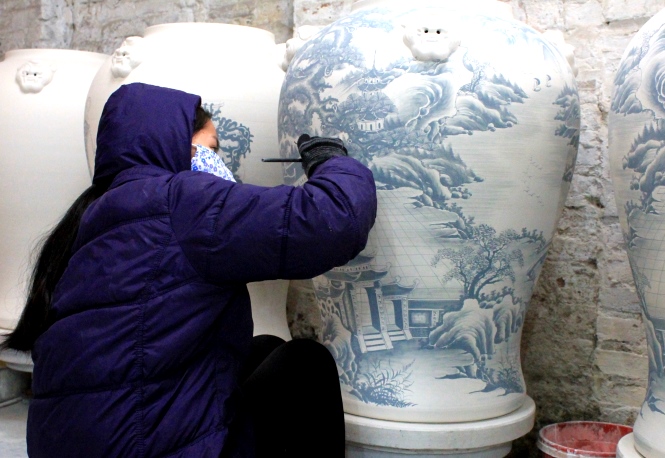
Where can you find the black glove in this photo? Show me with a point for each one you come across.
(316, 150)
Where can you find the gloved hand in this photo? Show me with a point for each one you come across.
(316, 150)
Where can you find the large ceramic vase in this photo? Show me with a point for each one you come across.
(236, 71)
(42, 157)
(637, 157)
(469, 121)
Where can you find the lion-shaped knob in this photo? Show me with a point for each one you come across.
(430, 42)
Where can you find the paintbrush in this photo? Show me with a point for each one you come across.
(280, 159)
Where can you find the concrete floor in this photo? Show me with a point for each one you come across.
(12, 430)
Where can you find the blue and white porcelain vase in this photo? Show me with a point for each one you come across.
(637, 158)
(236, 71)
(42, 158)
(469, 121)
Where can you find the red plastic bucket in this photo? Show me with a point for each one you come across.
(581, 439)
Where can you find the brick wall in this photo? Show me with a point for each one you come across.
(100, 26)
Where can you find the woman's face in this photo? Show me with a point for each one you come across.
(206, 137)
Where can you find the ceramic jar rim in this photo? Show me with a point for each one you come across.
(54, 52)
(254, 33)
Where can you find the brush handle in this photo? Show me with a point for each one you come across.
(280, 159)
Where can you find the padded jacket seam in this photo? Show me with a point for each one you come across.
(130, 303)
(194, 442)
(123, 386)
(175, 235)
(354, 218)
(141, 219)
(139, 352)
(210, 239)
(285, 235)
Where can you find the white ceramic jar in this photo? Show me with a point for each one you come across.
(637, 158)
(236, 71)
(469, 121)
(42, 156)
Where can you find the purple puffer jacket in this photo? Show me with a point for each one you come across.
(151, 319)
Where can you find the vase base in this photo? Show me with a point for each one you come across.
(17, 361)
(369, 438)
(499, 451)
(626, 448)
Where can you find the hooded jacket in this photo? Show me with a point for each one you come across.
(151, 320)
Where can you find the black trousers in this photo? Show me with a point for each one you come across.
(292, 399)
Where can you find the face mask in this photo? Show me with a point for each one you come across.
(206, 160)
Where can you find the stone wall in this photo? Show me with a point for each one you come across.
(100, 26)
(583, 349)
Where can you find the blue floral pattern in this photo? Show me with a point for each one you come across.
(206, 160)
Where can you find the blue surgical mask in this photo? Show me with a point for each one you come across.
(206, 160)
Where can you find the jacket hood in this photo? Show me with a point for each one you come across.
(145, 125)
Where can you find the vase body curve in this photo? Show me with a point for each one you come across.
(470, 124)
(42, 157)
(637, 160)
(235, 70)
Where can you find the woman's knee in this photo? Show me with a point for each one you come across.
(308, 348)
(311, 355)
(267, 341)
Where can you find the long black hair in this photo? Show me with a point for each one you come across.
(54, 253)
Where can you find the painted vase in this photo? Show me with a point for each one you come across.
(637, 159)
(42, 157)
(236, 71)
(469, 121)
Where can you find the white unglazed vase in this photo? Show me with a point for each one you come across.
(637, 158)
(470, 123)
(42, 158)
(239, 83)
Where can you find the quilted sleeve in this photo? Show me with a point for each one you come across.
(244, 233)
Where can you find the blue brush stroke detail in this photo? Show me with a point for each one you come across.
(640, 88)
(234, 139)
(398, 119)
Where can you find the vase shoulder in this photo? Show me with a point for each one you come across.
(223, 37)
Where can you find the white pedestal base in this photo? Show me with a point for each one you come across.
(626, 448)
(369, 438)
(18, 361)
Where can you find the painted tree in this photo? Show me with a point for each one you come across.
(647, 159)
(485, 259)
(568, 114)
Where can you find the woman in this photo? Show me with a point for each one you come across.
(141, 331)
